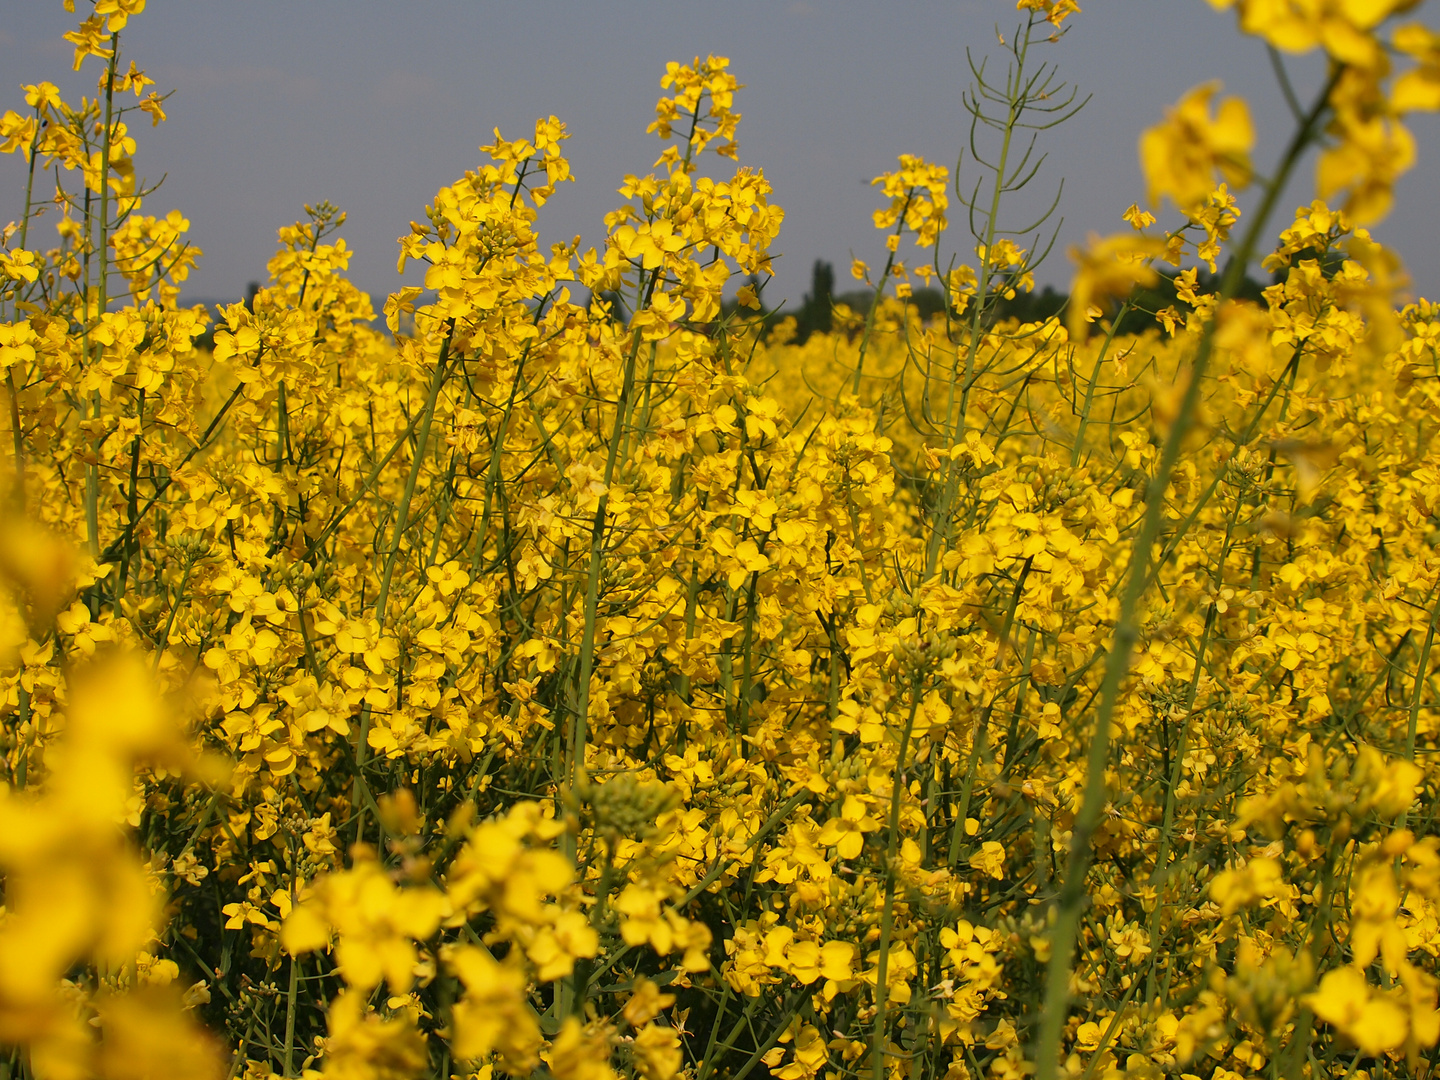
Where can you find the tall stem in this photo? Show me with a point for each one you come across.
(959, 387)
(597, 560)
(1079, 448)
(875, 301)
(16, 432)
(382, 601)
(572, 989)
(92, 470)
(292, 991)
(1127, 629)
(887, 911)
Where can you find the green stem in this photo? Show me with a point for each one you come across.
(954, 427)
(92, 470)
(164, 641)
(19, 439)
(597, 559)
(131, 504)
(102, 286)
(887, 910)
(875, 300)
(22, 765)
(1079, 446)
(1422, 672)
(382, 601)
(16, 432)
(781, 1026)
(570, 988)
(1172, 784)
(982, 725)
(1127, 631)
(291, 997)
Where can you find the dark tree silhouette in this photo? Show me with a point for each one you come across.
(814, 316)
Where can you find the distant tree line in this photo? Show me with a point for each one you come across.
(815, 314)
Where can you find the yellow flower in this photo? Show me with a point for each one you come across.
(657, 1052)
(646, 1002)
(1342, 27)
(1139, 219)
(555, 948)
(1179, 156)
(90, 39)
(809, 1056)
(990, 859)
(366, 1046)
(1372, 1020)
(17, 133)
(119, 11)
(739, 560)
(1107, 269)
(1370, 155)
(650, 243)
(17, 344)
(376, 924)
(581, 1052)
(494, 1015)
(918, 196)
(847, 832)
(501, 868)
(1418, 90)
(43, 95)
(1054, 11)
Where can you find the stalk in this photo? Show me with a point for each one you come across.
(1177, 765)
(292, 991)
(22, 765)
(16, 433)
(953, 428)
(1220, 473)
(1422, 671)
(787, 1011)
(747, 652)
(875, 303)
(422, 439)
(597, 559)
(164, 642)
(887, 910)
(1079, 447)
(982, 725)
(19, 439)
(131, 504)
(92, 470)
(1127, 630)
(382, 601)
(1167, 824)
(571, 990)
(102, 286)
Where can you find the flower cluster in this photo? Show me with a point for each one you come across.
(570, 671)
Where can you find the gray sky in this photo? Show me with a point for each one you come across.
(375, 105)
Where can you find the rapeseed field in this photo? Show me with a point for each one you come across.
(574, 671)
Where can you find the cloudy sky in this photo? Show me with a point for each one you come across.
(374, 105)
